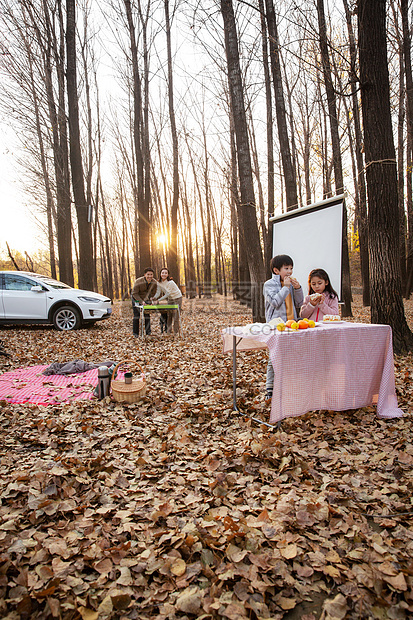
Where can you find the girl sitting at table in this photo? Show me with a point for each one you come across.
(321, 299)
(168, 291)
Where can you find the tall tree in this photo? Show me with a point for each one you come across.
(141, 220)
(173, 243)
(404, 8)
(57, 114)
(270, 141)
(34, 35)
(247, 216)
(84, 223)
(361, 197)
(286, 157)
(381, 174)
(402, 144)
(335, 143)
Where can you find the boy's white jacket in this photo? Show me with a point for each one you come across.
(275, 295)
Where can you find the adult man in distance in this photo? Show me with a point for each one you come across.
(142, 292)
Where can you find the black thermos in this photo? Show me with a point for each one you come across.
(104, 382)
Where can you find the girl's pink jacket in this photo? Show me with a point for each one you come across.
(329, 306)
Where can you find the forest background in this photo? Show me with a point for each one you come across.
(154, 133)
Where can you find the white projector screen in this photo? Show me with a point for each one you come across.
(313, 237)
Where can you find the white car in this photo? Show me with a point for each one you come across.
(32, 298)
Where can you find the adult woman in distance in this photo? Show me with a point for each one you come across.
(169, 291)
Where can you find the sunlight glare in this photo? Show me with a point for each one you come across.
(162, 239)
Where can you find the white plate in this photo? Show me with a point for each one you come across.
(330, 322)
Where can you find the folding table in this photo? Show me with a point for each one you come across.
(334, 366)
(158, 308)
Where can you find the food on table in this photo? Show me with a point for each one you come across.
(293, 325)
(276, 321)
(331, 318)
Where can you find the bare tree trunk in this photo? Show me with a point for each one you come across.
(218, 250)
(190, 284)
(361, 204)
(404, 8)
(400, 146)
(287, 162)
(109, 258)
(205, 223)
(89, 159)
(270, 141)
(29, 262)
(208, 225)
(84, 225)
(173, 248)
(400, 167)
(326, 168)
(146, 156)
(335, 142)
(53, 44)
(142, 235)
(234, 201)
(256, 171)
(61, 164)
(247, 212)
(12, 257)
(45, 174)
(381, 174)
(116, 286)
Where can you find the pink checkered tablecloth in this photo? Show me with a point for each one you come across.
(332, 366)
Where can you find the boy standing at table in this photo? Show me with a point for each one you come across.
(283, 298)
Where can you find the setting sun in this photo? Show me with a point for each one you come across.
(162, 239)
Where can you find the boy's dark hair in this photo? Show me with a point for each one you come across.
(148, 269)
(279, 261)
(323, 275)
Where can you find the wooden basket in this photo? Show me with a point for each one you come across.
(128, 392)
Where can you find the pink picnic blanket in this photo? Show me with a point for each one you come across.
(28, 385)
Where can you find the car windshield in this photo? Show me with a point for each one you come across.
(54, 283)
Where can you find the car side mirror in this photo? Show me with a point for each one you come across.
(37, 288)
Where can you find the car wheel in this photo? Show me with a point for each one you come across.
(66, 318)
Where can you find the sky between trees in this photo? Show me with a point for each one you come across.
(201, 106)
(200, 90)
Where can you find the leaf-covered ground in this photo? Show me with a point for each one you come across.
(175, 507)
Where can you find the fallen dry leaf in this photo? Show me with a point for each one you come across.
(335, 609)
(177, 507)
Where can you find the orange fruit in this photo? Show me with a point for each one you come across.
(302, 325)
(311, 323)
(280, 327)
(289, 323)
(294, 325)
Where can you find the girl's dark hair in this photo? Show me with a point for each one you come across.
(168, 277)
(323, 275)
(279, 261)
